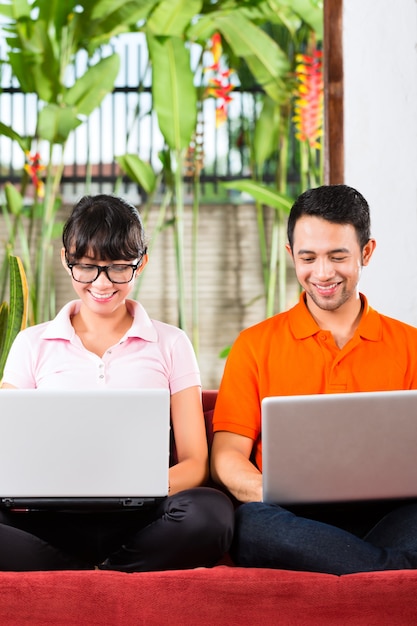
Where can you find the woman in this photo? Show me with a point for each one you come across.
(104, 339)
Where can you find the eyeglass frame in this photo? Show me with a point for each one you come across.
(104, 268)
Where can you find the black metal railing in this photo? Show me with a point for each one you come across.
(124, 124)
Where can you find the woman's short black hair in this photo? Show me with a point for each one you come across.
(104, 227)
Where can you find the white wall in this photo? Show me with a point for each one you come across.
(380, 107)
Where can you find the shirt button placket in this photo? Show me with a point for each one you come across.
(101, 374)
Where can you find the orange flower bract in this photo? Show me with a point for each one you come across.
(219, 85)
(308, 106)
(33, 167)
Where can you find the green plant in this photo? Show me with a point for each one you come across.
(300, 103)
(178, 89)
(13, 314)
(44, 38)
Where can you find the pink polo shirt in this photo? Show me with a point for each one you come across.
(151, 355)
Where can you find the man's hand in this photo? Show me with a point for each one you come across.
(232, 468)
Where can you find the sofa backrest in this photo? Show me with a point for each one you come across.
(209, 401)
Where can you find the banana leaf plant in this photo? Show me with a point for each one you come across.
(178, 89)
(13, 314)
(43, 39)
(296, 112)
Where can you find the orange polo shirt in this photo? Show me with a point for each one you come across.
(289, 354)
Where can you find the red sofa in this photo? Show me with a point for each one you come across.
(223, 595)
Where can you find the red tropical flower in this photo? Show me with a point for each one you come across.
(216, 51)
(308, 106)
(220, 89)
(219, 85)
(33, 167)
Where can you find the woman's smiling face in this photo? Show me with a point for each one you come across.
(101, 295)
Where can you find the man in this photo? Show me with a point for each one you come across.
(331, 341)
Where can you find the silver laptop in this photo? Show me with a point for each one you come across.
(339, 447)
(83, 449)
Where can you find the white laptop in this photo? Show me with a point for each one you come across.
(339, 447)
(83, 449)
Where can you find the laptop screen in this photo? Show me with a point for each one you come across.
(339, 447)
(85, 445)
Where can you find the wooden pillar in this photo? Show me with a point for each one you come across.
(333, 93)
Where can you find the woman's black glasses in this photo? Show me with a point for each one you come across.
(117, 273)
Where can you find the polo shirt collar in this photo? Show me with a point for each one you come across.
(142, 326)
(370, 326)
(61, 328)
(303, 324)
(301, 321)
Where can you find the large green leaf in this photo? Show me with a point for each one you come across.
(171, 17)
(4, 317)
(15, 9)
(89, 90)
(13, 316)
(265, 139)
(202, 29)
(173, 90)
(18, 296)
(127, 12)
(262, 193)
(6, 10)
(57, 13)
(267, 62)
(310, 11)
(24, 68)
(103, 19)
(138, 170)
(7, 131)
(34, 57)
(14, 199)
(58, 19)
(55, 123)
(273, 12)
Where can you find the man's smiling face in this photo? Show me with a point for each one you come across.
(328, 261)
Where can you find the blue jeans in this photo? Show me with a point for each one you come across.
(268, 535)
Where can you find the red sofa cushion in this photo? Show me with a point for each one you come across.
(206, 597)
